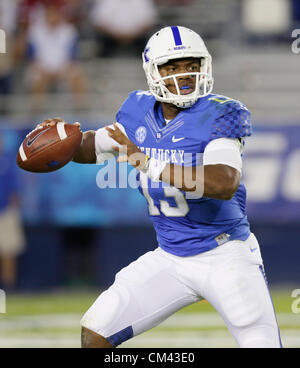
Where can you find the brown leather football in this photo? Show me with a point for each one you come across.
(49, 148)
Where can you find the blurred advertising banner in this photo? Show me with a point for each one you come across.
(272, 174)
(71, 197)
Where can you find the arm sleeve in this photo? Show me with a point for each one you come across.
(226, 151)
(104, 144)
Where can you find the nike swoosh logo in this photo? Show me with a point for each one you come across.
(174, 140)
(253, 249)
(31, 141)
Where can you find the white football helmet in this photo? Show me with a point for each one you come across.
(174, 43)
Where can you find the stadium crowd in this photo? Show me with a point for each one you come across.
(38, 29)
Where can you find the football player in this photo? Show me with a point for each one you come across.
(187, 145)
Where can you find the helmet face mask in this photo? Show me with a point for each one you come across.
(172, 43)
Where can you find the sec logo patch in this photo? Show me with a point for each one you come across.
(140, 134)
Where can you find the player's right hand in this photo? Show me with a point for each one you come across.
(52, 122)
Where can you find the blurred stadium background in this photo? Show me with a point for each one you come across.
(78, 59)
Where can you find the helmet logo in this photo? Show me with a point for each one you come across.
(145, 54)
(140, 134)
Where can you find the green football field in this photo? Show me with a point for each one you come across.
(52, 320)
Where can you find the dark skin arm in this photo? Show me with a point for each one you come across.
(213, 181)
(86, 151)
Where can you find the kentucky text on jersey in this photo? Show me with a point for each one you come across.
(173, 156)
(187, 226)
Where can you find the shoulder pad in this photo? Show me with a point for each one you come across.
(135, 106)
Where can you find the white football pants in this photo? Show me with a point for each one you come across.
(149, 290)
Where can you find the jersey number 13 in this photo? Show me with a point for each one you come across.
(181, 208)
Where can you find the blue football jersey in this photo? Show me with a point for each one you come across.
(184, 225)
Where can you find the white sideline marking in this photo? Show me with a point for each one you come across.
(14, 332)
(188, 339)
(196, 320)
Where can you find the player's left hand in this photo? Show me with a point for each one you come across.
(128, 152)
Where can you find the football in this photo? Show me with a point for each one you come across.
(49, 148)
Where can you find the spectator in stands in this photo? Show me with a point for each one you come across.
(31, 11)
(122, 25)
(53, 50)
(8, 12)
(11, 232)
